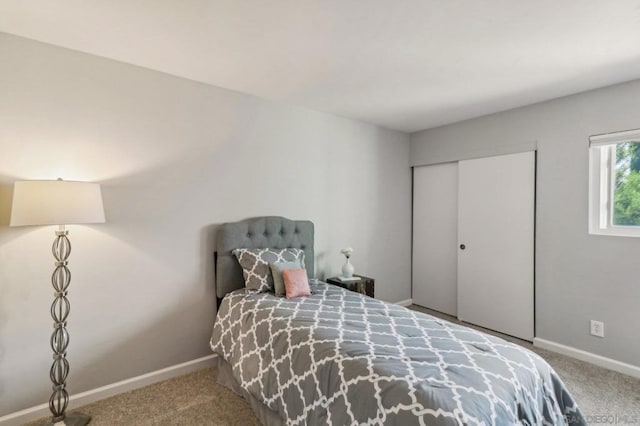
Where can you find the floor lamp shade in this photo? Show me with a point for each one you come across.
(56, 202)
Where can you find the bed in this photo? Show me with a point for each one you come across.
(339, 357)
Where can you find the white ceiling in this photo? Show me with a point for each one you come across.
(404, 64)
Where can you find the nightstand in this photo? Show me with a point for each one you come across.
(365, 285)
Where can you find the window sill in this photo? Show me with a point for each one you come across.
(616, 232)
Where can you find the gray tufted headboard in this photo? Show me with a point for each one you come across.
(261, 232)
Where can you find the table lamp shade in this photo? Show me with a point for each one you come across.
(56, 202)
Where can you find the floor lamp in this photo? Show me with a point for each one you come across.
(58, 202)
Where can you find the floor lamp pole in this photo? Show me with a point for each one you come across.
(60, 279)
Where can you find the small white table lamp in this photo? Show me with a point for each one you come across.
(58, 202)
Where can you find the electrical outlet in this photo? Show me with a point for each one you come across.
(597, 328)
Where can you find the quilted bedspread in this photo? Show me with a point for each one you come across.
(338, 357)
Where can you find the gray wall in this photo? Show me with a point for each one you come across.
(578, 276)
(175, 158)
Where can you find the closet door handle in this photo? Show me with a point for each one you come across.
(462, 247)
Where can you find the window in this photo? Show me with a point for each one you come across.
(614, 184)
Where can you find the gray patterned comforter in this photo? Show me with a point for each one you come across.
(337, 357)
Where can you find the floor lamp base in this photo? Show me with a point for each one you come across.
(73, 419)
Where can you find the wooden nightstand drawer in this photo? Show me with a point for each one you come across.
(364, 285)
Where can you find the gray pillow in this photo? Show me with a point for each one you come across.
(255, 265)
(276, 271)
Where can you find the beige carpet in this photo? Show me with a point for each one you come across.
(195, 399)
(192, 399)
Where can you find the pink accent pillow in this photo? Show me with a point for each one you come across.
(296, 283)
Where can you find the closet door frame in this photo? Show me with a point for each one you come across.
(418, 261)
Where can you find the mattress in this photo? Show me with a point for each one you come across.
(339, 357)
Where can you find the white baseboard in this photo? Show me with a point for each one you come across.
(405, 303)
(84, 398)
(589, 357)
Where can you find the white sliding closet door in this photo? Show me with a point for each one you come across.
(435, 230)
(496, 198)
